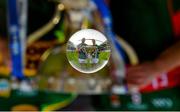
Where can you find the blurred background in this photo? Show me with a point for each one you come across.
(140, 31)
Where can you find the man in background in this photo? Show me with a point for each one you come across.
(95, 55)
(152, 28)
(82, 51)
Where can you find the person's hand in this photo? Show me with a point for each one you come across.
(141, 75)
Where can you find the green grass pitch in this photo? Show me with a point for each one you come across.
(73, 57)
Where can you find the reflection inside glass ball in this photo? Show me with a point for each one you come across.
(88, 51)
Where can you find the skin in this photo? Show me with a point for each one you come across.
(83, 40)
(142, 74)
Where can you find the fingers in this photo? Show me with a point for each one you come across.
(141, 75)
(138, 76)
(132, 86)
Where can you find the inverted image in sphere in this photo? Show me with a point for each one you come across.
(88, 51)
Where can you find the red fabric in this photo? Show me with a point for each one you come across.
(176, 24)
(164, 81)
(172, 78)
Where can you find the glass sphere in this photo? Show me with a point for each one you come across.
(88, 51)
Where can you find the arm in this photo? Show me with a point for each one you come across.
(169, 59)
(144, 73)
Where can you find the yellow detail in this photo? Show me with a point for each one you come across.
(59, 105)
(133, 58)
(5, 71)
(5, 93)
(85, 23)
(24, 107)
(30, 72)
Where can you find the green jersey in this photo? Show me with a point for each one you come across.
(145, 24)
(82, 51)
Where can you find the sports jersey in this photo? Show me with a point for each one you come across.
(82, 51)
(150, 26)
(96, 52)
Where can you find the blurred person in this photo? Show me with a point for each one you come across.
(95, 54)
(152, 27)
(82, 51)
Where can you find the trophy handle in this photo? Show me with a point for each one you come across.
(48, 26)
